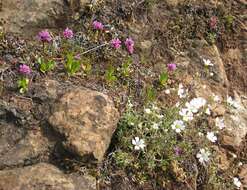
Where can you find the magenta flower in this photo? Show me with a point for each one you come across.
(68, 33)
(98, 25)
(213, 22)
(129, 43)
(24, 69)
(171, 67)
(44, 36)
(178, 151)
(116, 43)
(77, 56)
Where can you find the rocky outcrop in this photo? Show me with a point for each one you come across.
(28, 150)
(31, 15)
(87, 119)
(43, 177)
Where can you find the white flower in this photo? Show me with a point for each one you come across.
(140, 125)
(177, 104)
(138, 143)
(203, 156)
(182, 93)
(155, 107)
(237, 182)
(211, 136)
(207, 62)
(130, 105)
(200, 134)
(216, 98)
(208, 111)
(147, 110)
(186, 114)
(232, 102)
(155, 125)
(211, 74)
(160, 116)
(219, 122)
(178, 126)
(240, 164)
(167, 91)
(195, 104)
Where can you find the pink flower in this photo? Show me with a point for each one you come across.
(44, 36)
(177, 151)
(213, 22)
(116, 43)
(129, 43)
(24, 69)
(98, 25)
(77, 56)
(68, 33)
(171, 67)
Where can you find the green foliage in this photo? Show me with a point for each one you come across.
(163, 78)
(212, 37)
(110, 75)
(86, 64)
(126, 67)
(23, 85)
(150, 94)
(46, 66)
(160, 143)
(72, 65)
(229, 21)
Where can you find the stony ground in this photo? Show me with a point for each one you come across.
(74, 132)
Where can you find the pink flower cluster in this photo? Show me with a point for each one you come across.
(171, 67)
(129, 43)
(116, 43)
(98, 25)
(44, 36)
(24, 69)
(68, 33)
(213, 22)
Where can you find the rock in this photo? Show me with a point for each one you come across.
(45, 90)
(236, 127)
(221, 158)
(202, 50)
(9, 136)
(43, 177)
(24, 15)
(243, 175)
(29, 149)
(87, 119)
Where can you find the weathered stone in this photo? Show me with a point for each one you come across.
(87, 119)
(243, 175)
(9, 136)
(17, 149)
(43, 177)
(236, 127)
(30, 14)
(221, 158)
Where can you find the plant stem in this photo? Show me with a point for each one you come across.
(94, 48)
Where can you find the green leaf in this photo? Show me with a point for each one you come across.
(163, 78)
(72, 65)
